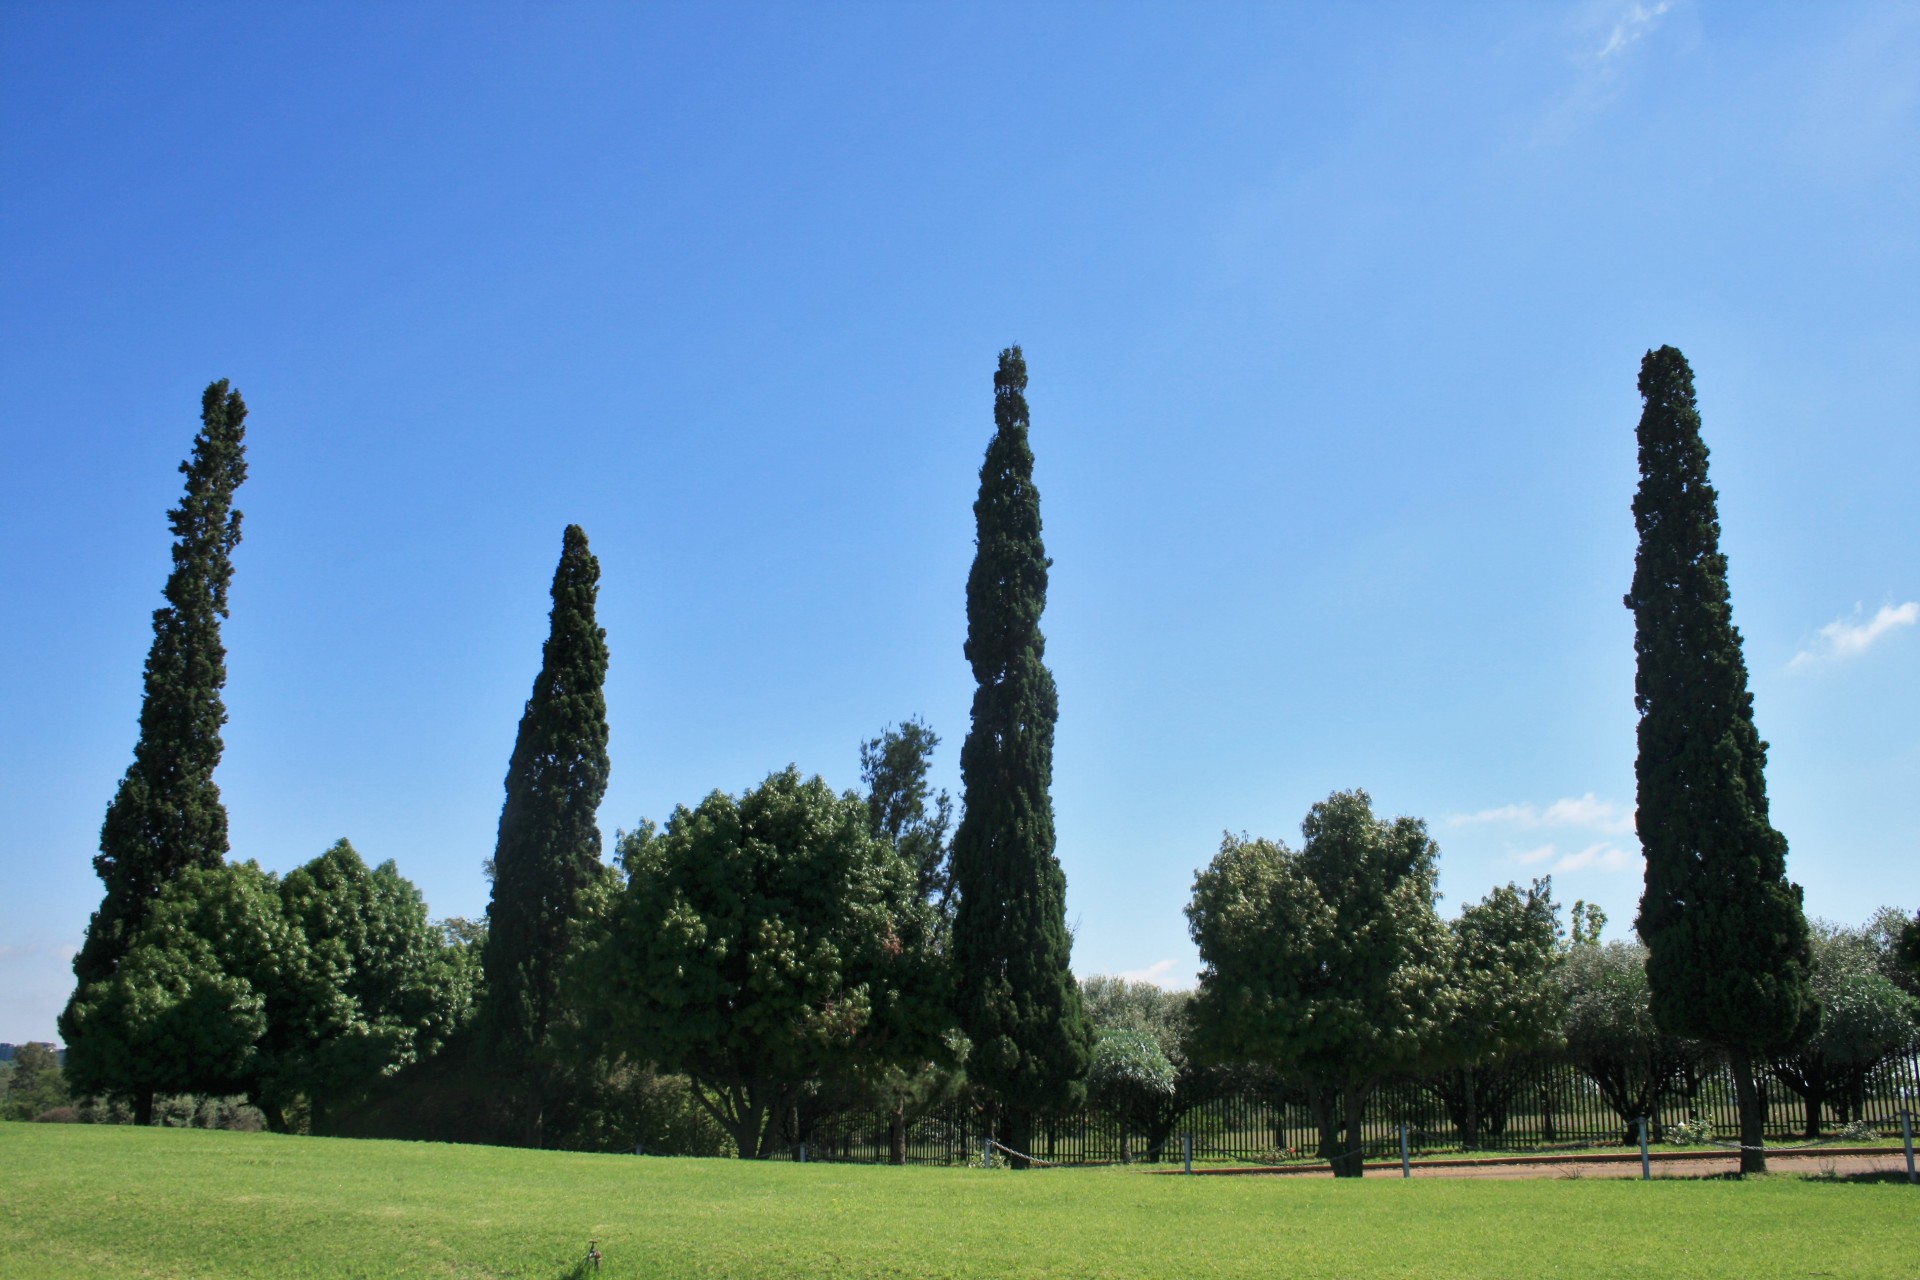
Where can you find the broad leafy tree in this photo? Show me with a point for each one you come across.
(167, 816)
(404, 990)
(1329, 965)
(764, 946)
(1507, 1005)
(1865, 1020)
(218, 993)
(1017, 1001)
(1728, 959)
(548, 849)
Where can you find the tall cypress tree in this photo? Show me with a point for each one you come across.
(1018, 1001)
(549, 843)
(1728, 957)
(167, 815)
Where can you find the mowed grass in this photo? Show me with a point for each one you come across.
(87, 1200)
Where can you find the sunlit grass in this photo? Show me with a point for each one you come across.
(83, 1200)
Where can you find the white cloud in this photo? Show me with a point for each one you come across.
(1842, 639)
(1603, 856)
(1159, 973)
(1631, 26)
(1588, 811)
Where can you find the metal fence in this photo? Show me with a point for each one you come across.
(1538, 1105)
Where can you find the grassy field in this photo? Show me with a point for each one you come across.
(87, 1200)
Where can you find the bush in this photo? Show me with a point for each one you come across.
(1689, 1133)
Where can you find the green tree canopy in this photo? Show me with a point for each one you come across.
(905, 809)
(1329, 964)
(1727, 943)
(767, 943)
(34, 1083)
(1017, 1001)
(548, 849)
(405, 990)
(219, 993)
(1506, 1004)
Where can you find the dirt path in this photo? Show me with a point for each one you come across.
(1842, 1163)
(1702, 1166)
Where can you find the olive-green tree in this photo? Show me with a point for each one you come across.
(1017, 1001)
(548, 849)
(167, 816)
(1727, 944)
(1330, 964)
(1125, 1080)
(1611, 1035)
(764, 945)
(1865, 1020)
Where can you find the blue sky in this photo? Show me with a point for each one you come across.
(1333, 317)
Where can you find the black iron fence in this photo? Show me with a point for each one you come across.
(1531, 1106)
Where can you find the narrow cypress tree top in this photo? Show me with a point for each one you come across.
(167, 815)
(1728, 950)
(1018, 999)
(1007, 587)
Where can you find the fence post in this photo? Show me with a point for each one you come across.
(802, 1157)
(1186, 1149)
(1646, 1165)
(1406, 1162)
(1906, 1129)
(986, 1151)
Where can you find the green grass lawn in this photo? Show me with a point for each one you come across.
(111, 1201)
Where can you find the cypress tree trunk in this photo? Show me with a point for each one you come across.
(167, 816)
(1753, 1115)
(549, 842)
(1017, 999)
(1728, 953)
